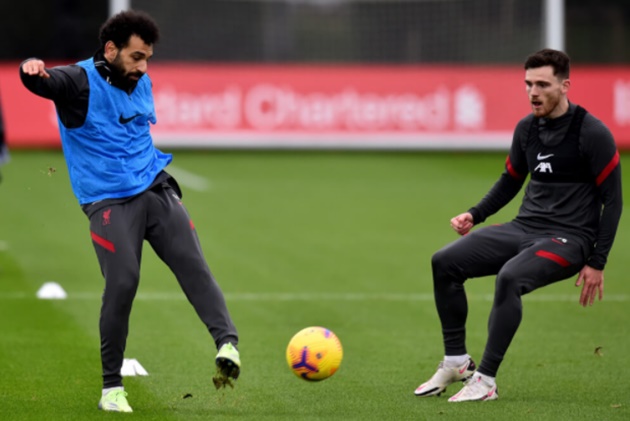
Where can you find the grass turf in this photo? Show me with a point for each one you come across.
(341, 240)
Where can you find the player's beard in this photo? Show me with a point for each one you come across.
(549, 105)
(130, 78)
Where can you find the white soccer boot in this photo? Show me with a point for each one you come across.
(476, 389)
(445, 376)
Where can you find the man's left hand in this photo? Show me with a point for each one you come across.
(593, 281)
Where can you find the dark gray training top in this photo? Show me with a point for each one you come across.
(575, 180)
(69, 89)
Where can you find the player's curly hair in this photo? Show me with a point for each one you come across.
(559, 61)
(119, 28)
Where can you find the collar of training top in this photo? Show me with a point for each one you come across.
(550, 123)
(111, 74)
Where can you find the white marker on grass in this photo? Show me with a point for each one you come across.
(131, 367)
(51, 291)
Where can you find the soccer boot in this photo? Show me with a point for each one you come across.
(115, 401)
(476, 389)
(228, 366)
(445, 376)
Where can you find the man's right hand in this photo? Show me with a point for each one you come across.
(35, 68)
(462, 223)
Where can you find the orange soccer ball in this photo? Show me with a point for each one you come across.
(314, 353)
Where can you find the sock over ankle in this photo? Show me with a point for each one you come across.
(455, 360)
(109, 389)
(489, 380)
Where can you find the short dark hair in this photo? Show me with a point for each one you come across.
(119, 28)
(547, 57)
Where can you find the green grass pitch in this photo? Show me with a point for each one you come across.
(336, 239)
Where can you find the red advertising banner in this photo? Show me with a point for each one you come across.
(292, 106)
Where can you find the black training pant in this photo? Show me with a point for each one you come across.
(522, 260)
(118, 232)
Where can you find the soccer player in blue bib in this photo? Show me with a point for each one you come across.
(105, 109)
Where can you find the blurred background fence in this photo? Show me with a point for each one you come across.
(340, 31)
(371, 73)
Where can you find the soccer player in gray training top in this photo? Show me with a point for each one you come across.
(105, 108)
(565, 226)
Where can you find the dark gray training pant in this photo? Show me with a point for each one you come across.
(523, 261)
(118, 232)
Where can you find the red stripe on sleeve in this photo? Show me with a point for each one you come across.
(609, 168)
(511, 170)
(107, 245)
(553, 256)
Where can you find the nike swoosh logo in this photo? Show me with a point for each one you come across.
(540, 157)
(125, 120)
(464, 368)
